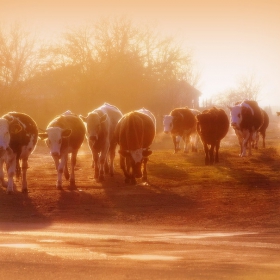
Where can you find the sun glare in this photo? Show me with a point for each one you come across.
(229, 39)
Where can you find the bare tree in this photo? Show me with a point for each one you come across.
(17, 60)
(247, 89)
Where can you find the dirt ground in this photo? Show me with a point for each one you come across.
(186, 200)
(174, 199)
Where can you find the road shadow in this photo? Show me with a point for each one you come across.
(18, 210)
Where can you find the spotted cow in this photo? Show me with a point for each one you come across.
(246, 119)
(181, 123)
(18, 138)
(64, 135)
(193, 139)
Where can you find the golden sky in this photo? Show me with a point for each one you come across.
(228, 39)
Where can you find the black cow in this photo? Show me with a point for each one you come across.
(18, 138)
(135, 133)
(212, 127)
(261, 131)
(64, 135)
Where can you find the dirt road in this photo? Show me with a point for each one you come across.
(222, 224)
(75, 251)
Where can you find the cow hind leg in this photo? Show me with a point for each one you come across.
(73, 164)
(217, 147)
(11, 168)
(2, 181)
(125, 166)
(102, 169)
(206, 151)
(24, 175)
(18, 169)
(211, 154)
(66, 171)
(96, 164)
(112, 154)
(263, 138)
(186, 144)
(106, 166)
(176, 143)
(145, 174)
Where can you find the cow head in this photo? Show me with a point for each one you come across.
(235, 116)
(136, 157)
(167, 123)
(7, 128)
(93, 124)
(54, 137)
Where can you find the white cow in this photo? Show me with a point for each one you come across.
(101, 124)
(64, 135)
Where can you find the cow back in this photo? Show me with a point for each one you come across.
(114, 115)
(183, 119)
(265, 124)
(77, 127)
(213, 125)
(28, 135)
(251, 120)
(135, 131)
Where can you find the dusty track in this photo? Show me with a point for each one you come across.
(204, 228)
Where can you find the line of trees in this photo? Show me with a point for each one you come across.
(109, 60)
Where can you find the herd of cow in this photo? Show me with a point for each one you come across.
(106, 127)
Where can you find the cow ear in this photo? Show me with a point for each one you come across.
(15, 128)
(123, 153)
(103, 118)
(146, 153)
(66, 133)
(43, 135)
(84, 119)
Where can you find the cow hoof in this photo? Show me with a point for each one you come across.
(101, 178)
(133, 181)
(59, 187)
(25, 190)
(4, 184)
(127, 180)
(9, 192)
(144, 179)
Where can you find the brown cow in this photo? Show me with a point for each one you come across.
(180, 122)
(134, 133)
(212, 127)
